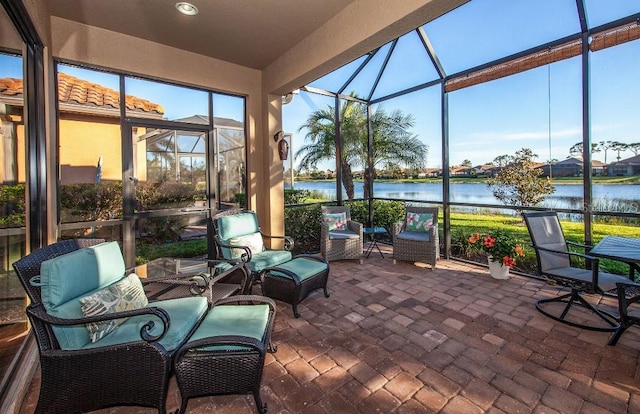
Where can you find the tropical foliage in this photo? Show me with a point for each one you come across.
(393, 143)
(519, 182)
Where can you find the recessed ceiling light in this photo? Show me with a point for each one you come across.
(187, 8)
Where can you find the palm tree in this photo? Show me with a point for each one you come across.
(393, 144)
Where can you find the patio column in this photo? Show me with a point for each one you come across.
(268, 184)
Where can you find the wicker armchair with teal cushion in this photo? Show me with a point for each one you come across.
(237, 236)
(340, 237)
(415, 238)
(101, 343)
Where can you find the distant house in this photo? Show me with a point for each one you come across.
(485, 170)
(430, 172)
(571, 167)
(460, 171)
(628, 167)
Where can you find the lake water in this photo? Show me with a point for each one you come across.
(606, 197)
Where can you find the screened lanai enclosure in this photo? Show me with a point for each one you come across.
(434, 116)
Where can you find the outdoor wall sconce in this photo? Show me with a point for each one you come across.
(283, 145)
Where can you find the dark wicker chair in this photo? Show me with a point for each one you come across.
(226, 354)
(232, 226)
(554, 262)
(91, 378)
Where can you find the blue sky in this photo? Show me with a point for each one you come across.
(539, 109)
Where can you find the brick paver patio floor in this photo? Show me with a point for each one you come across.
(405, 339)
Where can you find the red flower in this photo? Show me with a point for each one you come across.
(489, 241)
(508, 261)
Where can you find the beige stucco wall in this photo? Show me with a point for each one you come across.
(9, 37)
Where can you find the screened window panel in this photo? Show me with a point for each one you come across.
(483, 31)
(334, 80)
(604, 11)
(175, 103)
(362, 84)
(408, 66)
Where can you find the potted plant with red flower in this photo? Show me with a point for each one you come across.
(502, 251)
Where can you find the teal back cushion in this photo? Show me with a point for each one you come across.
(68, 277)
(236, 225)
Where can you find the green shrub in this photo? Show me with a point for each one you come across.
(296, 196)
(303, 224)
(385, 213)
(90, 201)
(12, 205)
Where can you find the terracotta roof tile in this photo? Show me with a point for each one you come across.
(75, 90)
(10, 86)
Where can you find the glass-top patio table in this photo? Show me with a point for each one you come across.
(372, 231)
(623, 249)
(169, 277)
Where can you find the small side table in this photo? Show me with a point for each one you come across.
(371, 232)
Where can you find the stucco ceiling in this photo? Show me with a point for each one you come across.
(251, 33)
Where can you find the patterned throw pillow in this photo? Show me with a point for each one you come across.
(252, 241)
(336, 221)
(127, 294)
(419, 222)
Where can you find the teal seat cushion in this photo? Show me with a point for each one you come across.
(268, 258)
(243, 320)
(343, 234)
(304, 268)
(184, 313)
(414, 236)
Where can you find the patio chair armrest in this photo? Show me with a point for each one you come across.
(568, 253)
(253, 299)
(39, 312)
(355, 226)
(246, 256)
(586, 247)
(397, 227)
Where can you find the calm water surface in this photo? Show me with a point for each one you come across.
(613, 197)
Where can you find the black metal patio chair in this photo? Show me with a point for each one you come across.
(554, 260)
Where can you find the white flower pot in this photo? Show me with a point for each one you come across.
(498, 270)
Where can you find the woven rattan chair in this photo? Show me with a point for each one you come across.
(91, 376)
(554, 262)
(417, 246)
(341, 244)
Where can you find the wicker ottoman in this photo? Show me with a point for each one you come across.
(294, 280)
(225, 355)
